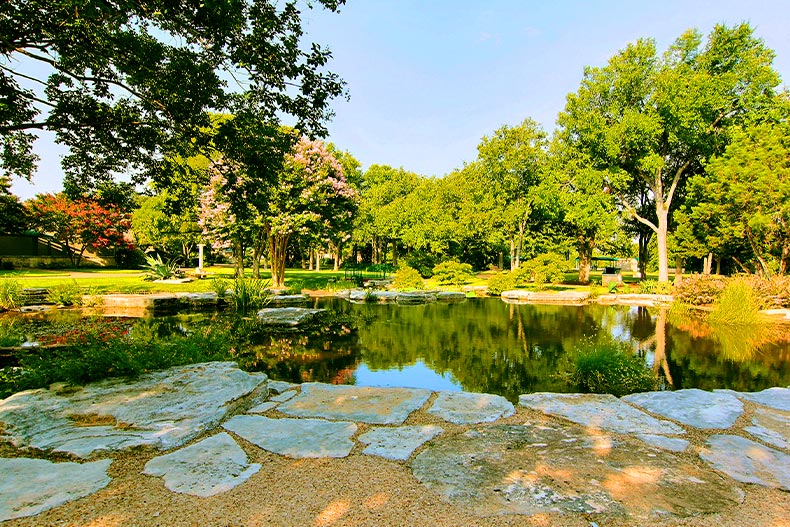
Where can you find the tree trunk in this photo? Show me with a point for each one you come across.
(318, 260)
(277, 247)
(395, 253)
(585, 261)
(520, 244)
(644, 253)
(338, 261)
(501, 260)
(660, 361)
(678, 270)
(662, 212)
(513, 265)
(238, 258)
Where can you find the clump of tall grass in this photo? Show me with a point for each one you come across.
(738, 304)
(249, 293)
(10, 294)
(611, 367)
(68, 294)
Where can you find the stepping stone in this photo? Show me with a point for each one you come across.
(777, 398)
(451, 296)
(31, 486)
(362, 404)
(522, 469)
(464, 408)
(281, 398)
(604, 412)
(692, 407)
(297, 438)
(262, 408)
(163, 409)
(771, 426)
(749, 462)
(397, 443)
(673, 444)
(287, 316)
(214, 465)
(281, 386)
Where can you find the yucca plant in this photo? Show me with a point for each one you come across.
(157, 269)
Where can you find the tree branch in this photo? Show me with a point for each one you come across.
(675, 180)
(22, 126)
(639, 218)
(16, 73)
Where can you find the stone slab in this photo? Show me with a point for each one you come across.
(211, 466)
(771, 426)
(31, 486)
(297, 438)
(451, 296)
(604, 412)
(673, 444)
(263, 407)
(281, 386)
(288, 300)
(746, 461)
(692, 407)
(778, 398)
(531, 470)
(398, 443)
(362, 295)
(470, 408)
(287, 316)
(163, 409)
(416, 297)
(282, 397)
(537, 297)
(363, 404)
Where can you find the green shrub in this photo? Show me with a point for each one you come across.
(295, 287)
(249, 293)
(738, 304)
(422, 261)
(611, 367)
(69, 294)
(407, 278)
(648, 287)
(773, 291)
(504, 281)
(11, 333)
(156, 269)
(544, 269)
(220, 287)
(10, 294)
(700, 289)
(453, 273)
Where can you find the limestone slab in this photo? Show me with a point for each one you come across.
(288, 300)
(470, 408)
(363, 404)
(398, 443)
(163, 409)
(31, 486)
(747, 461)
(282, 397)
(548, 469)
(604, 412)
(777, 398)
(451, 296)
(362, 295)
(281, 386)
(771, 426)
(297, 438)
(673, 444)
(263, 407)
(692, 407)
(211, 466)
(287, 316)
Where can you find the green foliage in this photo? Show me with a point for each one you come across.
(738, 304)
(11, 333)
(502, 281)
(66, 294)
(407, 278)
(543, 269)
(773, 291)
(156, 269)
(249, 293)
(453, 273)
(611, 367)
(423, 261)
(648, 287)
(10, 293)
(295, 287)
(700, 289)
(220, 286)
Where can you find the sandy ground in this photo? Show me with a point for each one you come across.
(359, 490)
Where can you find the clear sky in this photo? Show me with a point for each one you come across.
(429, 78)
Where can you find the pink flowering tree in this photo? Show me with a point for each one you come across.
(311, 198)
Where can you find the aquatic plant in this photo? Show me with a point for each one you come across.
(68, 294)
(738, 304)
(611, 367)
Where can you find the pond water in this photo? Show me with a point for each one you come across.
(486, 345)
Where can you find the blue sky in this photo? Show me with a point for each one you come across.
(428, 79)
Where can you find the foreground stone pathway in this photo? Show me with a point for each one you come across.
(652, 455)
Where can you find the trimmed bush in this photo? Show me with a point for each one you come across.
(504, 281)
(407, 278)
(453, 273)
(546, 268)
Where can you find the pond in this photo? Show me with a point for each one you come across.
(486, 345)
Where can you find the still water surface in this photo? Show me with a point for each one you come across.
(486, 345)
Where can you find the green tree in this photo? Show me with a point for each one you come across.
(14, 218)
(171, 234)
(122, 83)
(656, 120)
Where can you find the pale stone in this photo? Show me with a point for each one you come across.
(281, 386)
(451, 296)
(161, 409)
(604, 412)
(746, 461)
(31, 486)
(778, 398)
(564, 297)
(361, 295)
(214, 465)
(287, 316)
(297, 438)
(262, 408)
(281, 398)
(398, 443)
(416, 297)
(383, 406)
(469, 408)
(673, 444)
(692, 407)
(288, 300)
(531, 470)
(771, 426)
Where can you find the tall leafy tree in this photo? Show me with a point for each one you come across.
(657, 119)
(14, 219)
(171, 234)
(123, 83)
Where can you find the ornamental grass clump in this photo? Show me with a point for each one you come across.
(10, 294)
(738, 305)
(249, 293)
(68, 294)
(611, 367)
